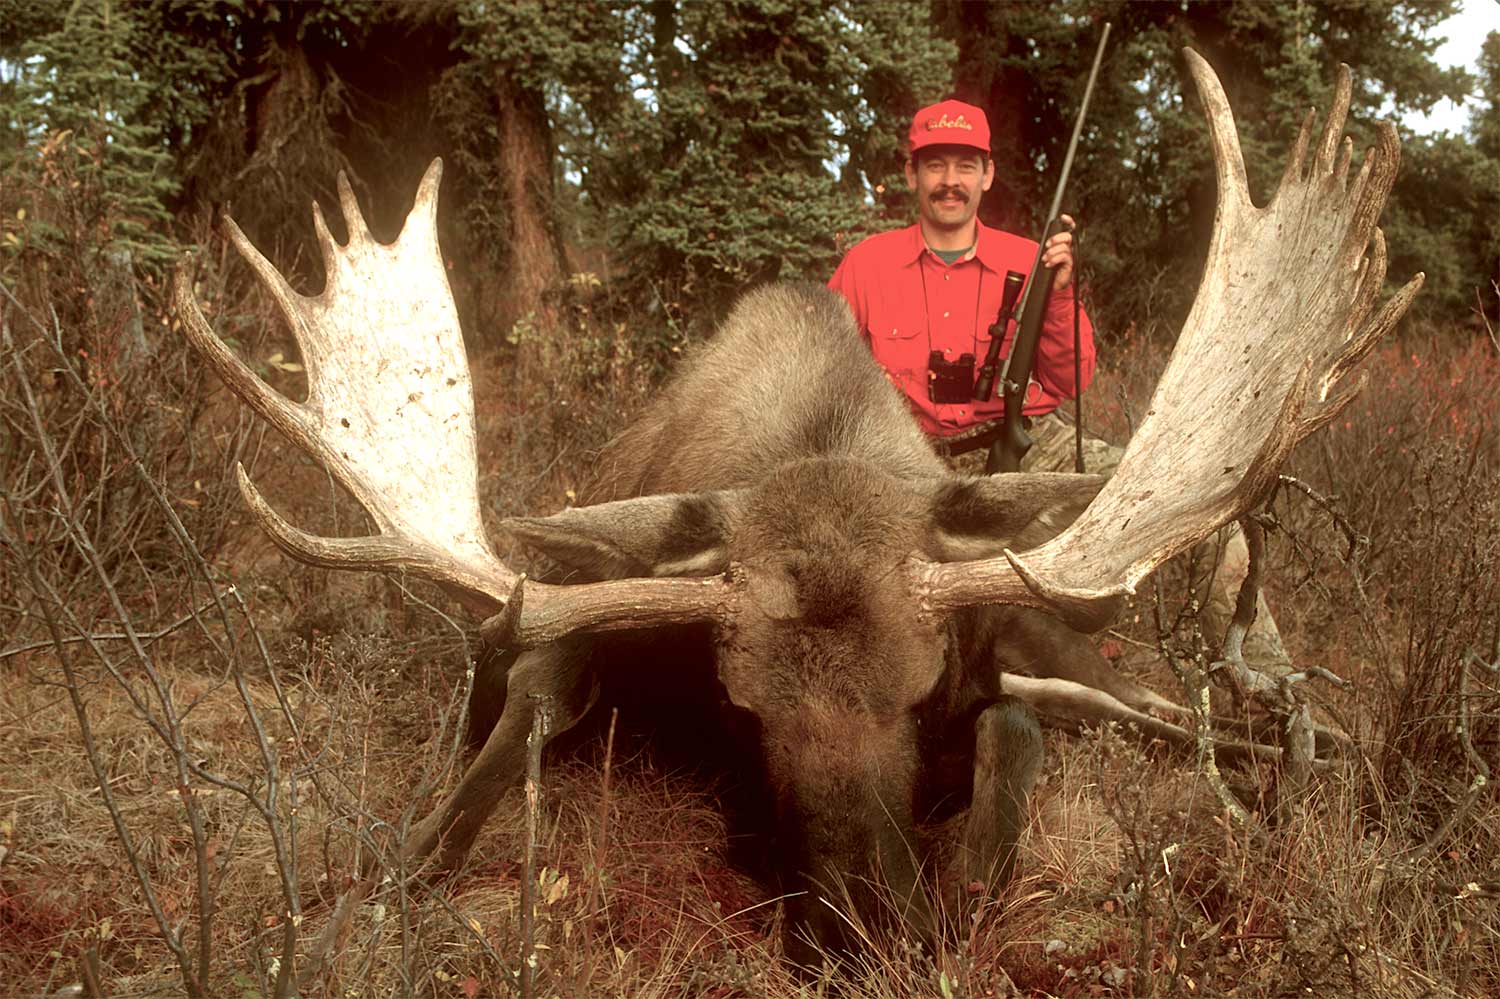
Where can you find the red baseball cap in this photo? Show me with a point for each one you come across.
(949, 123)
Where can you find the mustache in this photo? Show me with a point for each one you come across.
(942, 192)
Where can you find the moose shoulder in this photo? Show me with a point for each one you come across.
(864, 612)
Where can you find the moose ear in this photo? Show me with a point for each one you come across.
(976, 518)
(678, 534)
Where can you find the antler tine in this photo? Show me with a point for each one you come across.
(1360, 335)
(328, 248)
(1229, 162)
(1372, 190)
(1338, 113)
(275, 408)
(359, 232)
(1298, 155)
(1385, 321)
(1341, 172)
(375, 553)
(1282, 316)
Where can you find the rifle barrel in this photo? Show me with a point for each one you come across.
(1083, 110)
(1067, 168)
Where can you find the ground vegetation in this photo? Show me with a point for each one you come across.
(204, 742)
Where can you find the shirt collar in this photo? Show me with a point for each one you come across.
(986, 247)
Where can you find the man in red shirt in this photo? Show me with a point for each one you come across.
(935, 287)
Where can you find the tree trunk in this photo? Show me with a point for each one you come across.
(990, 73)
(537, 262)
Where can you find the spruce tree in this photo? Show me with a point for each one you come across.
(76, 114)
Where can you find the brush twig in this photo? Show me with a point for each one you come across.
(593, 905)
(534, 743)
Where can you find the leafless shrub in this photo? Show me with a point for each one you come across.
(188, 785)
(1382, 567)
(1423, 611)
(96, 548)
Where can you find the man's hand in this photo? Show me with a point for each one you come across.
(1058, 255)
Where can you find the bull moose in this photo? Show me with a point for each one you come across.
(869, 613)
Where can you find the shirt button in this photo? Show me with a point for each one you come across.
(946, 314)
(945, 275)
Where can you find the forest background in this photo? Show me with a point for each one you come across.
(676, 153)
(203, 741)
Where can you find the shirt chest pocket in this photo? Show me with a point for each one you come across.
(900, 347)
(896, 331)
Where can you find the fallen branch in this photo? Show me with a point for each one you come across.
(1074, 705)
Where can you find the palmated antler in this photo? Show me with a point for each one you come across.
(1282, 315)
(389, 409)
(390, 412)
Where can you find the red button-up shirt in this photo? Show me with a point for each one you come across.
(907, 303)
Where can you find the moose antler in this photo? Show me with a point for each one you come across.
(1282, 315)
(390, 411)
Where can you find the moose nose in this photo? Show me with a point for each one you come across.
(834, 916)
(815, 932)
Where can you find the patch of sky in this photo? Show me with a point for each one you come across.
(1465, 33)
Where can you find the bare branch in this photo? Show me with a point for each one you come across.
(1481, 780)
(1330, 507)
(1192, 678)
(540, 716)
(144, 637)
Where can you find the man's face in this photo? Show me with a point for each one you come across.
(949, 181)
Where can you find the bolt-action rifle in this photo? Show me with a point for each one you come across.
(1013, 443)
